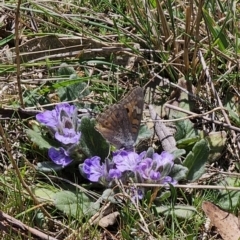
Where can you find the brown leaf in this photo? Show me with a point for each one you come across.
(226, 223)
(108, 220)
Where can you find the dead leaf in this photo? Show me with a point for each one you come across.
(226, 223)
(108, 220)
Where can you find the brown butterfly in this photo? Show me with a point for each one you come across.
(119, 124)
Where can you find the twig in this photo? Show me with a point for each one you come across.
(18, 52)
(187, 186)
(10, 224)
(201, 115)
(193, 115)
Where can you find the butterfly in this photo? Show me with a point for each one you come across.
(119, 123)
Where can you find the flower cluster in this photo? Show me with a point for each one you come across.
(63, 124)
(140, 167)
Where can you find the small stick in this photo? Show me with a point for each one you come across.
(10, 224)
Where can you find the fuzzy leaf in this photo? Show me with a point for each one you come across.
(74, 91)
(229, 199)
(164, 196)
(37, 137)
(196, 160)
(217, 141)
(109, 195)
(185, 129)
(40, 220)
(43, 194)
(48, 167)
(178, 172)
(75, 205)
(109, 220)
(180, 211)
(65, 70)
(143, 133)
(178, 153)
(92, 142)
(149, 153)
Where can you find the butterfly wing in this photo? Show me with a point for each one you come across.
(120, 123)
(133, 105)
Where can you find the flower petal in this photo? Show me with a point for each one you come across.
(60, 157)
(68, 136)
(126, 160)
(93, 169)
(48, 118)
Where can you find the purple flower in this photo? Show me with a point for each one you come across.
(60, 157)
(93, 169)
(141, 168)
(97, 172)
(145, 170)
(136, 194)
(68, 136)
(165, 158)
(168, 180)
(115, 173)
(155, 176)
(156, 169)
(126, 161)
(63, 123)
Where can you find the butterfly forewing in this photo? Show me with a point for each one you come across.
(133, 103)
(120, 122)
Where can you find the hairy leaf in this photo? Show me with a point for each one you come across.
(196, 160)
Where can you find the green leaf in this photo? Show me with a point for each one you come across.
(217, 33)
(75, 204)
(196, 160)
(48, 167)
(232, 105)
(34, 97)
(109, 195)
(44, 194)
(185, 129)
(143, 133)
(180, 211)
(65, 70)
(229, 200)
(92, 142)
(149, 153)
(7, 39)
(164, 195)
(74, 91)
(40, 220)
(216, 141)
(234, 117)
(178, 153)
(178, 172)
(186, 142)
(41, 141)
